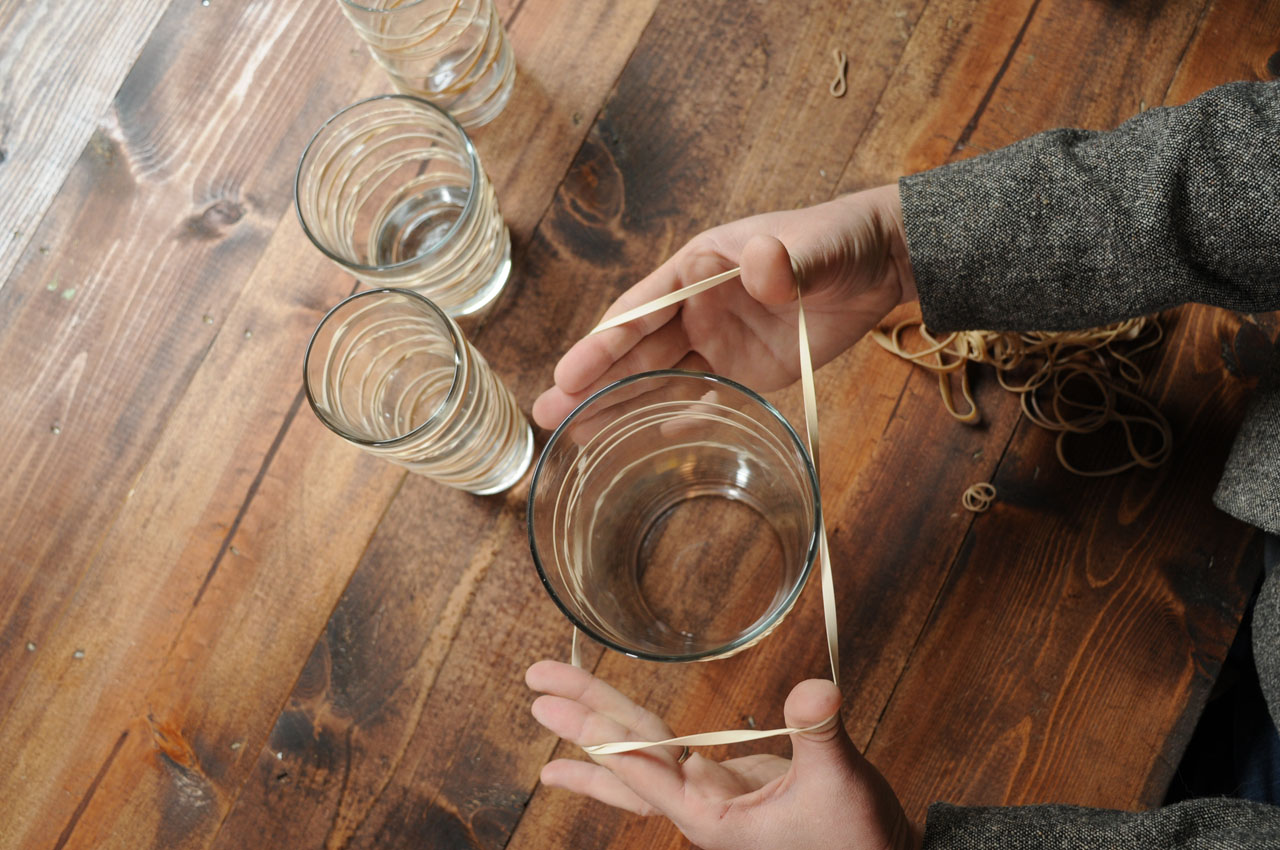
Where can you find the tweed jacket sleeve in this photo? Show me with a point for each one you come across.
(1193, 825)
(1070, 229)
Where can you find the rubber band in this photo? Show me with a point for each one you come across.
(809, 393)
(839, 85)
(978, 497)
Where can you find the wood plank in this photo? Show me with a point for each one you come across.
(133, 323)
(413, 694)
(223, 560)
(1236, 41)
(218, 574)
(1142, 578)
(1141, 570)
(1062, 65)
(353, 787)
(177, 616)
(557, 94)
(61, 63)
(161, 222)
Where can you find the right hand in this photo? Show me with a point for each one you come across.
(825, 796)
(852, 257)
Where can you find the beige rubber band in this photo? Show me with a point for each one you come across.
(978, 497)
(809, 391)
(839, 85)
(702, 739)
(664, 301)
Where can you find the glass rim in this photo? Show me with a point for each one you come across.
(473, 159)
(810, 556)
(444, 403)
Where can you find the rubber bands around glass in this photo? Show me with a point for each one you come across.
(389, 371)
(674, 516)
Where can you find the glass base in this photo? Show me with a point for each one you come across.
(487, 293)
(482, 100)
(483, 113)
(510, 477)
(502, 479)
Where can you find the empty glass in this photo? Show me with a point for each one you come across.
(451, 52)
(674, 516)
(391, 189)
(389, 371)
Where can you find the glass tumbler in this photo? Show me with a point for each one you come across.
(391, 189)
(674, 516)
(452, 52)
(389, 371)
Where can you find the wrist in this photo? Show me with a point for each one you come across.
(877, 252)
(890, 207)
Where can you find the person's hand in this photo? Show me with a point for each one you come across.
(826, 797)
(852, 257)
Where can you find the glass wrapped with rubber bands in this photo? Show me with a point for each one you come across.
(674, 516)
(392, 190)
(451, 52)
(389, 371)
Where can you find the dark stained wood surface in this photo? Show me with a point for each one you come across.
(222, 627)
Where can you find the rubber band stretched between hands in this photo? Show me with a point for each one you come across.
(809, 392)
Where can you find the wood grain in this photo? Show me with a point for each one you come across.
(371, 783)
(133, 323)
(59, 69)
(1123, 563)
(557, 94)
(1235, 40)
(546, 820)
(225, 497)
(166, 214)
(226, 595)
(221, 626)
(875, 563)
(1123, 556)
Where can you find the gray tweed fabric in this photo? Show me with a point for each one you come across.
(1070, 229)
(1193, 825)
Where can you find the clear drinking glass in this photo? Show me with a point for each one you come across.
(389, 371)
(451, 52)
(391, 189)
(674, 516)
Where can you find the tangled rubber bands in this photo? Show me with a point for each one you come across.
(1069, 382)
(978, 497)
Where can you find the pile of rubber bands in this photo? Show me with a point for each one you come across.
(1070, 382)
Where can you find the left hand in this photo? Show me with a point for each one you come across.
(826, 796)
(852, 253)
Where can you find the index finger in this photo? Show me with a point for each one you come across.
(654, 776)
(581, 708)
(590, 357)
(565, 680)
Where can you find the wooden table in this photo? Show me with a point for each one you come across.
(220, 626)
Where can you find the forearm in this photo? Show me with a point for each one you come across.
(1072, 228)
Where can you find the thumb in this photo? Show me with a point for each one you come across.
(811, 702)
(826, 764)
(767, 272)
